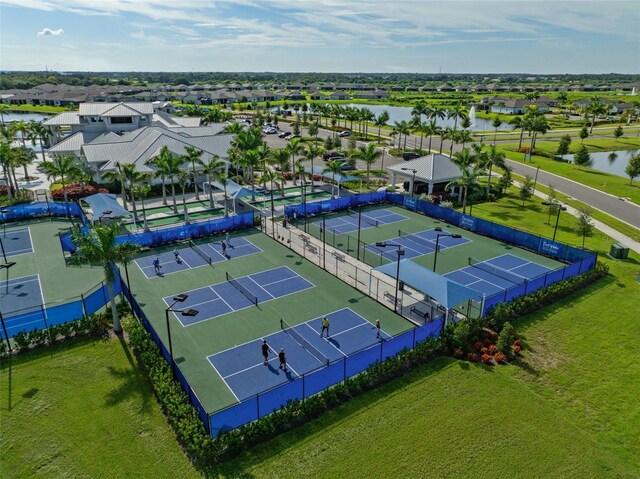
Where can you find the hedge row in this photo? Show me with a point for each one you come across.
(206, 452)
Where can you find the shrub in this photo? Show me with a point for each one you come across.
(459, 353)
(499, 357)
(473, 357)
(493, 349)
(505, 339)
(75, 191)
(486, 358)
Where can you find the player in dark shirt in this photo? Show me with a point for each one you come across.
(265, 351)
(283, 360)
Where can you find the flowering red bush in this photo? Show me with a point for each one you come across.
(75, 191)
(486, 358)
(499, 357)
(478, 345)
(484, 350)
(517, 349)
(517, 343)
(473, 357)
(493, 349)
(526, 149)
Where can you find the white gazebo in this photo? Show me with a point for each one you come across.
(435, 170)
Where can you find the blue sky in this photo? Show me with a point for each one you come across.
(321, 35)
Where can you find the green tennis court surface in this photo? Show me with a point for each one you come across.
(287, 287)
(265, 201)
(170, 220)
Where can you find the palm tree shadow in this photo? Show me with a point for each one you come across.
(133, 383)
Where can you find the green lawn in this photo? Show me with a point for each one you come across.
(568, 408)
(84, 410)
(612, 184)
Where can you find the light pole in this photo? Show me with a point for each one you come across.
(384, 150)
(400, 251)
(179, 298)
(560, 208)
(413, 179)
(435, 256)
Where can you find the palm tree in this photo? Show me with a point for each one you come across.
(457, 111)
(160, 164)
(222, 177)
(295, 147)
(431, 128)
(381, 121)
(492, 158)
(6, 157)
(142, 192)
(132, 176)
(24, 157)
(366, 116)
(173, 168)
(37, 131)
(519, 123)
(192, 156)
(496, 124)
(596, 107)
(281, 159)
(335, 168)
(311, 154)
(465, 181)
(465, 123)
(118, 175)
(216, 115)
(60, 169)
(99, 246)
(210, 168)
(251, 161)
(21, 127)
(367, 154)
(464, 136)
(464, 159)
(437, 113)
(271, 176)
(3, 109)
(233, 128)
(403, 128)
(183, 181)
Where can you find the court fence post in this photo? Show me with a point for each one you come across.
(44, 315)
(84, 306)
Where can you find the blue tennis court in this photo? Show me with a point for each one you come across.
(21, 303)
(243, 369)
(189, 258)
(497, 274)
(223, 298)
(416, 244)
(370, 219)
(17, 241)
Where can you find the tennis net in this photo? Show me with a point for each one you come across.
(365, 218)
(297, 337)
(248, 294)
(202, 254)
(417, 239)
(494, 270)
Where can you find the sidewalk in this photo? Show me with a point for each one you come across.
(613, 233)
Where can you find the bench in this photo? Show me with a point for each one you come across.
(339, 257)
(311, 247)
(424, 314)
(389, 297)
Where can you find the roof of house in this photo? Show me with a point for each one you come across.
(434, 168)
(73, 143)
(100, 108)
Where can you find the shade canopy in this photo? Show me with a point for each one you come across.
(319, 171)
(234, 190)
(445, 291)
(105, 205)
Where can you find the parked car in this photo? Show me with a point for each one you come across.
(344, 133)
(284, 134)
(331, 154)
(270, 131)
(348, 167)
(410, 155)
(336, 157)
(290, 137)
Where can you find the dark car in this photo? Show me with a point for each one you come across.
(335, 157)
(410, 155)
(347, 167)
(284, 134)
(330, 154)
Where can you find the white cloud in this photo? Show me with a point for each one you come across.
(47, 32)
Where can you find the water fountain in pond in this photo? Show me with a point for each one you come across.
(472, 116)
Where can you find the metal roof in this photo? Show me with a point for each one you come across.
(99, 108)
(64, 118)
(73, 143)
(434, 168)
(122, 110)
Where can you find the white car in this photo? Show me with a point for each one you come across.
(270, 131)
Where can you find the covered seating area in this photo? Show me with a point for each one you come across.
(428, 174)
(105, 205)
(441, 296)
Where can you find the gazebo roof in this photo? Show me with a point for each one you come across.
(434, 168)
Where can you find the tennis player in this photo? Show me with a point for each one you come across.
(283, 360)
(224, 247)
(265, 351)
(325, 326)
(177, 255)
(228, 239)
(156, 266)
(378, 328)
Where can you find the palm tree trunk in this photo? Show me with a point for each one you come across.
(44, 158)
(211, 205)
(135, 212)
(164, 191)
(521, 137)
(117, 328)
(26, 174)
(144, 217)
(489, 181)
(464, 202)
(184, 207)
(421, 138)
(253, 184)
(226, 209)
(15, 180)
(9, 182)
(195, 183)
(368, 167)
(173, 195)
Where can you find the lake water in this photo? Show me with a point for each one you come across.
(27, 116)
(613, 162)
(403, 113)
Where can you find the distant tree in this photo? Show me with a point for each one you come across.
(618, 132)
(496, 123)
(582, 157)
(584, 133)
(633, 168)
(313, 132)
(295, 128)
(584, 226)
(351, 143)
(526, 189)
(563, 146)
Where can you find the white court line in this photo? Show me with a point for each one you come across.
(42, 297)
(259, 286)
(211, 288)
(481, 279)
(223, 380)
(316, 332)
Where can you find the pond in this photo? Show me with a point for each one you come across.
(26, 116)
(613, 162)
(403, 113)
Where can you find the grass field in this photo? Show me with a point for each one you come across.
(84, 410)
(568, 408)
(612, 184)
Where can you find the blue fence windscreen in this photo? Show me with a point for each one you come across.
(323, 378)
(394, 345)
(361, 360)
(276, 398)
(235, 416)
